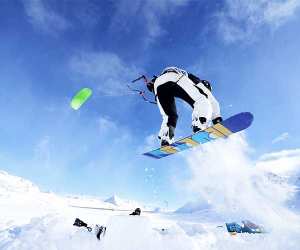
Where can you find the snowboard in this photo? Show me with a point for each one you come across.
(223, 129)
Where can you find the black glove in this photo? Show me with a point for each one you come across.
(217, 120)
(150, 86)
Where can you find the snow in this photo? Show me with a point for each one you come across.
(233, 184)
(125, 204)
(194, 206)
(13, 184)
(20, 200)
(229, 187)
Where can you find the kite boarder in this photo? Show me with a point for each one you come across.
(175, 82)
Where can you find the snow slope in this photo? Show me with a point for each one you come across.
(32, 219)
(20, 200)
(229, 187)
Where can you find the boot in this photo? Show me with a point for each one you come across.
(217, 120)
(199, 124)
(167, 136)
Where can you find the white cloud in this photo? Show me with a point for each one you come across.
(280, 154)
(151, 12)
(239, 20)
(109, 128)
(89, 13)
(150, 143)
(105, 125)
(43, 17)
(104, 69)
(279, 11)
(283, 163)
(284, 136)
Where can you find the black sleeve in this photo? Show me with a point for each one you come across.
(195, 79)
(150, 87)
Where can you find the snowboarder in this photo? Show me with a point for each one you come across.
(174, 82)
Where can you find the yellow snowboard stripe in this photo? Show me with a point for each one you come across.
(222, 129)
(169, 149)
(189, 141)
(213, 133)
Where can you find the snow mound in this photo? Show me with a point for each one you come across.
(124, 204)
(10, 184)
(194, 206)
(20, 200)
(115, 200)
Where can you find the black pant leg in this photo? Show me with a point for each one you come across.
(166, 97)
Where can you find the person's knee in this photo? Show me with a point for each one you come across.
(202, 108)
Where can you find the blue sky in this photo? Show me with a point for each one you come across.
(51, 49)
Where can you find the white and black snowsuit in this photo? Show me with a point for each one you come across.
(174, 82)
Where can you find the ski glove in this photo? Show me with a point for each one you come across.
(217, 120)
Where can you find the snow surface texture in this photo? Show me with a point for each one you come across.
(229, 186)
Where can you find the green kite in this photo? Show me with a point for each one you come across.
(80, 98)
